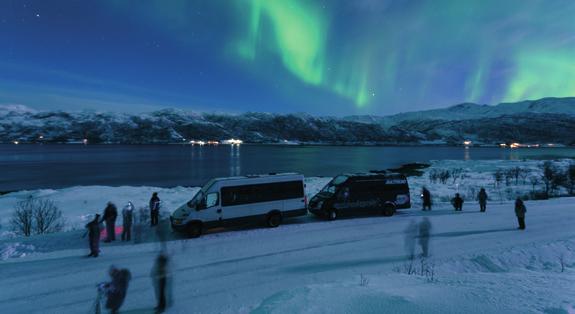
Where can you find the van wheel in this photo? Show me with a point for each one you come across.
(388, 210)
(332, 214)
(194, 230)
(274, 219)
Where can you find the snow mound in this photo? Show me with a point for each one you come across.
(13, 250)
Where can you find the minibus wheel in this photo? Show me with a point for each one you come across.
(274, 219)
(388, 210)
(332, 214)
(194, 229)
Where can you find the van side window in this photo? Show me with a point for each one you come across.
(212, 200)
(256, 193)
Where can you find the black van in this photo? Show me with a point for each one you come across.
(361, 194)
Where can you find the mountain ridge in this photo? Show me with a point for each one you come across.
(540, 121)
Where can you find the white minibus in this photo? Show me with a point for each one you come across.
(233, 201)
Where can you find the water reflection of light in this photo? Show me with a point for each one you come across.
(466, 155)
(235, 166)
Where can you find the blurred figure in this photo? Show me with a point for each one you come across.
(160, 278)
(410, 233)
(457, 202)
(154, 209)
(520, 211)
(110, 215)
(142, 219)
(162, 232)
(115, 291)
(482, 198)
(426, 198)
(424, 232)
(94, 236)
(127, 219)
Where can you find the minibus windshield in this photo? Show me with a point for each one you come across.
(200, 195)
(332, 185)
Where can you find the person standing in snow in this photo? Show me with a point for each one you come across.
(94, 236)
(160, 278)
(424, 233)
(110, 215)
(115, 290)
(154, 209)
(426, 197)
(127, 219)
(482, 198)
(457, 202)
(520, 211)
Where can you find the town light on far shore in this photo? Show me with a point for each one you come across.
(16, 142)
(232, 142)
(467, 142)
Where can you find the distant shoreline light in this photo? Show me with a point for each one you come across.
(232, 142)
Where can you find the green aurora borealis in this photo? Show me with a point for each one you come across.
(335, 57)
(501, 50)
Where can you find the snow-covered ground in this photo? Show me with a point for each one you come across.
(481, 263)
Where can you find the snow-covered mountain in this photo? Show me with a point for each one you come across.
(470, 111)
(548, 120)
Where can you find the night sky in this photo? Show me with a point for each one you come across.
(335, 57)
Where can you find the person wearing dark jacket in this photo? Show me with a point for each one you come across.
(154, 209)
(426, 197)
(127, 219)
(520, 211)
(110, 215)
(94, 236)
(116, 290)
(482, 198)
(457, 202)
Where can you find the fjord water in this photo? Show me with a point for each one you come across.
(57, 166)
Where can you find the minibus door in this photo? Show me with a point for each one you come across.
(211, 209)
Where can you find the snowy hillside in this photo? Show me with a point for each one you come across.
(549, 120)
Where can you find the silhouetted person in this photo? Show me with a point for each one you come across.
(520, 211)
(457, 202)
(426, 197)
(127, 219)
(160, 277)
(154, 209)
(410, 233)
(115, 290)
(482, 198)
(94, 236)
(110, 215)
(424, 232)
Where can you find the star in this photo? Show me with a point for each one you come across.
(37, 14)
